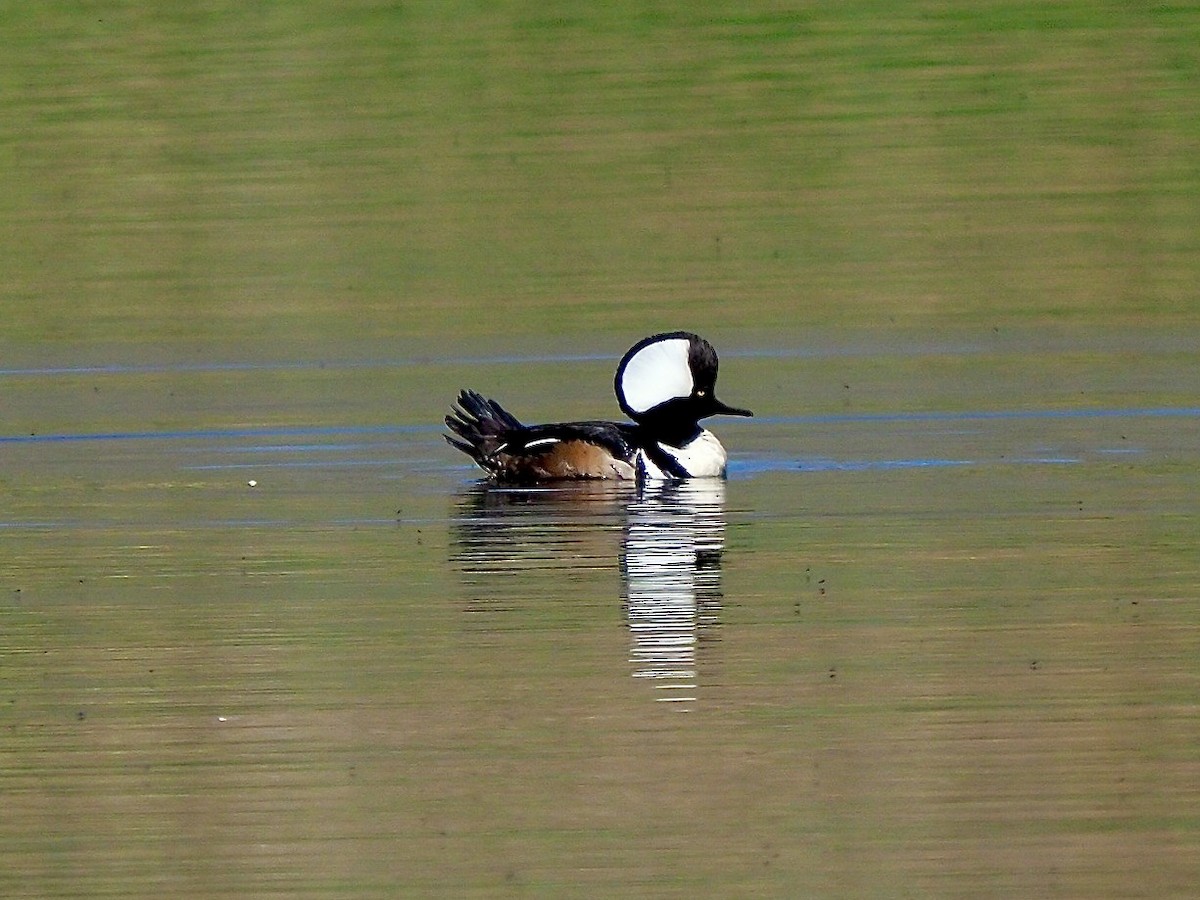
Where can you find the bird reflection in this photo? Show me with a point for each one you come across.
(506, 538)
(666, 540)
(671, 562)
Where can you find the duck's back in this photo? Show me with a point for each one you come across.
(565, 450)
(510, 451)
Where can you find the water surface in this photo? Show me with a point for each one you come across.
(957, 646)
(263, 633)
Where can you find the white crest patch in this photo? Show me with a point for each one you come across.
(657, 373)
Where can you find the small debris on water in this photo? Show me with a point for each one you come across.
(251, 483)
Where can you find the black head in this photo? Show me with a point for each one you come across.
(670, 379)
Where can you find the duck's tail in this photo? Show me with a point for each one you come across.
(480, 426)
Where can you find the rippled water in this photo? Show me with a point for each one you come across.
(667, 542)
(952, 651)
(263, 633)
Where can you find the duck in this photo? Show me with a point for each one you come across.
(665, 383)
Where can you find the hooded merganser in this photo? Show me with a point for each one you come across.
(664, 383)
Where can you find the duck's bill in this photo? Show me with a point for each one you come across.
(720, 409)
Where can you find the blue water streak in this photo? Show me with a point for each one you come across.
(311, 431)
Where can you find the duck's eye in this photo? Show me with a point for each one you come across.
(700, 392)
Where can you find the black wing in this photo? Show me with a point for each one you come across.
(615, 437)
(498, 441)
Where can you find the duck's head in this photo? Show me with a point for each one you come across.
(670, 380)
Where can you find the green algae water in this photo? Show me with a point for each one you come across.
(263, 633)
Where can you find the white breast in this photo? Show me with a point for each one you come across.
(703, 457)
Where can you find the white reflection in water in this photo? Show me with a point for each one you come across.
(672, 581)
(507, 540)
